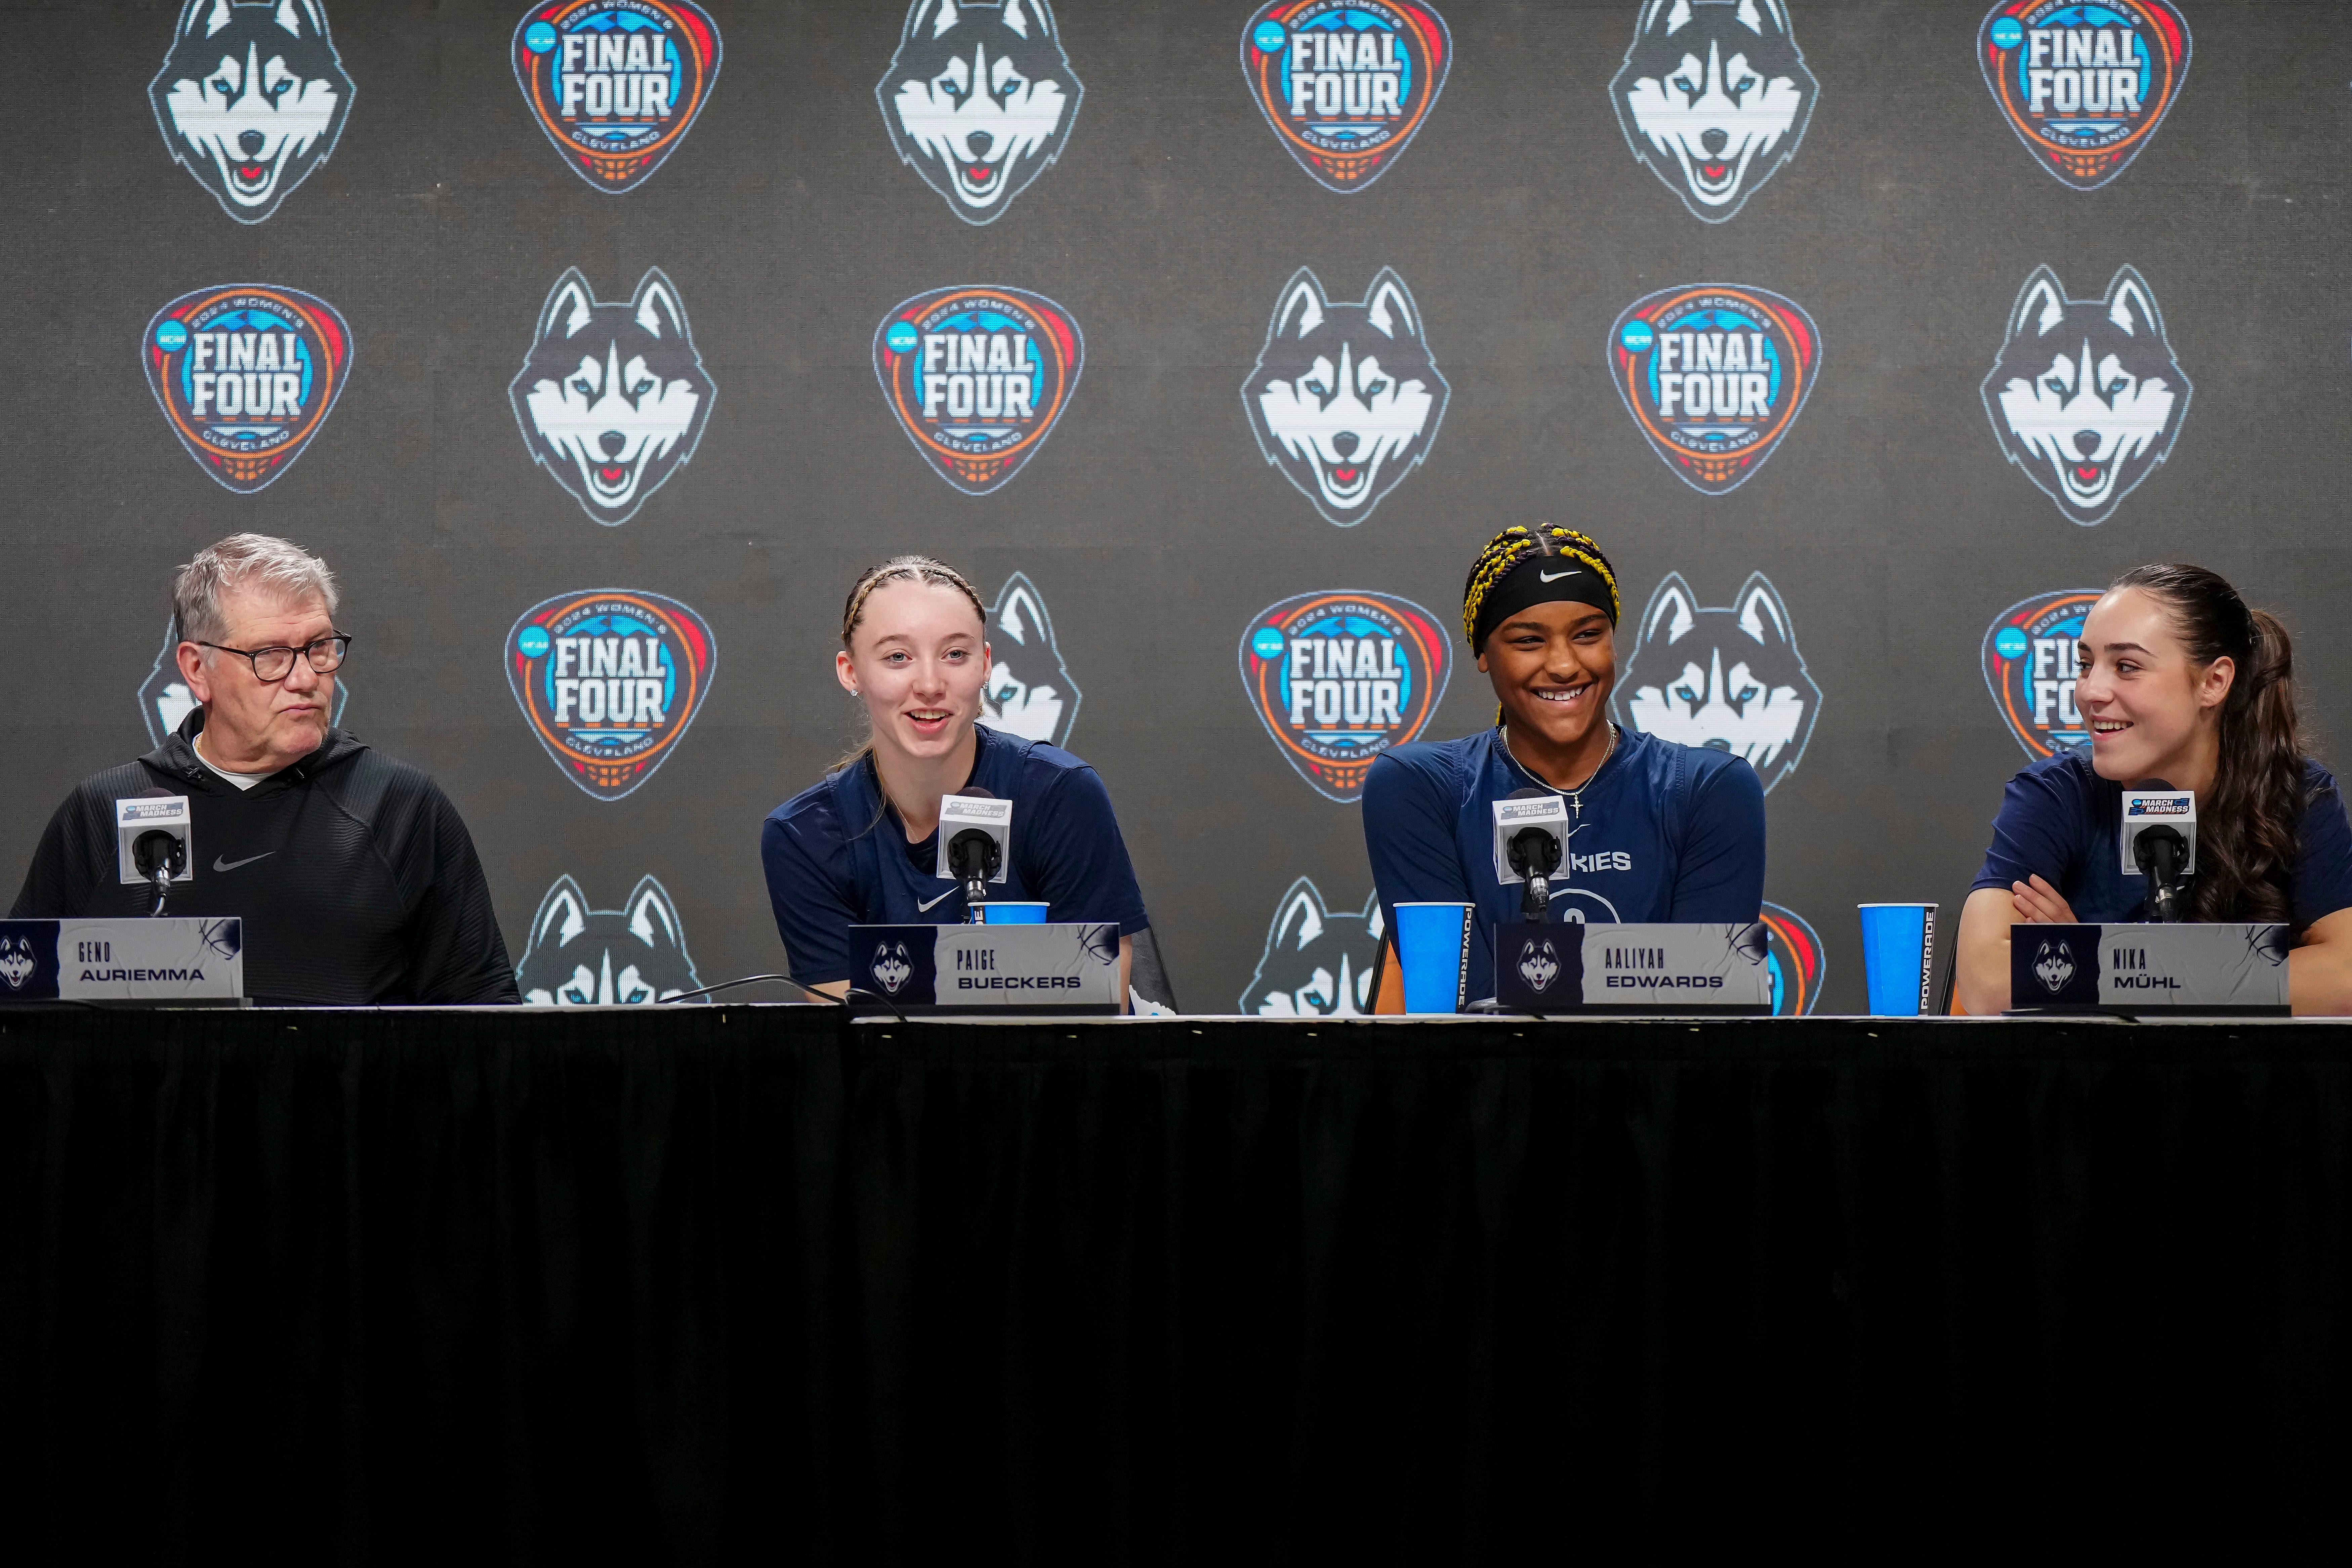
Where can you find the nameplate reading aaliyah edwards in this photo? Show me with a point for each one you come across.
(2216, 971)
(1675, 970)
(194, 959)
(1069, 968)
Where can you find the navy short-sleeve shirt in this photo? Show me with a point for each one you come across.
(835, 857)
(2059, 820)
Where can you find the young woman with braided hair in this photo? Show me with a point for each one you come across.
(861, 845)
(1658, 831)
(2178, 681)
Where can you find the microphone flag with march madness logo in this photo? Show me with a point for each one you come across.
(245, 375)
(609, 679)
(1346, 84)
(616, 84)
(2031, 653)
(1339, 677)
(1715, 374)
(978, 377)
(2085, 85)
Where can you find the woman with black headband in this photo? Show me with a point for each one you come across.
(1657, 831)
(2178, 680)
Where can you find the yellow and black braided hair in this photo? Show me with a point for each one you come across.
(1516, 544)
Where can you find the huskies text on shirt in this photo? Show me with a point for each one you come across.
(836, 857)
(1668, 833)
(2059, 821)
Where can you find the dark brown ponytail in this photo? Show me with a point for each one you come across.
(2247, 829)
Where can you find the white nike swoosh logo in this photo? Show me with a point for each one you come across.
(950, 893)
(1556, 576)
(221, 865)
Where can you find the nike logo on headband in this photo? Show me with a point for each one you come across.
(1556, 576)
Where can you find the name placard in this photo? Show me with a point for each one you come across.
(188, 959)
(1664, 969)
(2213, 970)
(1069, 968)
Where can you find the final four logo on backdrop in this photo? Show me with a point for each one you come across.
(616, 84)
(1345, 398)
(2087, 397)
(1730, 678)
(247, 374)
(610, 680)
(978, 377)
(611, 397)
(1715, 374)
(251, 99)
(1340, 677)
(1346, 84)
(1029, 691)
(979, 99)
(2085, 85)
(1714, 97)
(1795, 959)
(2031, 653)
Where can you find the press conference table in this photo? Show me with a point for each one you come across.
(706, 1281)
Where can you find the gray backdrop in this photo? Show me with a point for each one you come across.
(1889, 518)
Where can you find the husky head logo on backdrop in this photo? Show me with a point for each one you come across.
(251, 98)
(1730, 679)
(17, 962)
(1338, 678)
(1715, 374)
(2087, 397)
(2030, 663)
(1029, 691)
(580, 957)
(979, 99)
(246, 375)
(613, 397)
(1318, 961)
(1714, 96)
(1346, 84)
(2085, 85)
(616, 84)
(165, 699)
(1345, 399)
(1796, 961)
(609, 681)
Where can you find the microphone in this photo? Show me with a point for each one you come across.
(1530, 838)
(2160, 841)
(975, 844)
(151, 833)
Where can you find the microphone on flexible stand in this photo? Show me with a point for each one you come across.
(151, 842)
(974, 853)
(2160, 841)
(1530, 838)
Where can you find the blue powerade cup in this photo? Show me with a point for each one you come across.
(1898, 958)
(1009, 912)
(1433, 947)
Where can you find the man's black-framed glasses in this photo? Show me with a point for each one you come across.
(271, 665)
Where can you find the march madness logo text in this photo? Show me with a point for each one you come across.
(251, 99)
(1346, 84)
(979, 99)
(1338, 678)
(978, 378)
(616, 84)
(1715, 374)
(1727, 677)
(2030, 663)
(245, 375)
(1714, 97)
(609, 681)
(2085, 85)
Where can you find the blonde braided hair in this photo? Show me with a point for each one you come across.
(897, 569)
(1516, 544)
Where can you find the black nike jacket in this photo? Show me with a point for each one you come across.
(355, 877)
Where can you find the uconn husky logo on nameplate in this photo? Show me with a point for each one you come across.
(2087, 397)
(2032, 662)
(978, 378)
(1338, 678)
(616, 84)
(1729, 677)
(245, 375)
(1715, 374)
(1346, 84)
(609, 680)
(1714, 97)
(251, 99)
(979, 99)
(2085, 85)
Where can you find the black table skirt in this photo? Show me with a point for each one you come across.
(722, 1281)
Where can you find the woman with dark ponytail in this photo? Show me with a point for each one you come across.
(2178, 680)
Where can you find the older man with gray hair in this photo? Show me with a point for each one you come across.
(357, 881)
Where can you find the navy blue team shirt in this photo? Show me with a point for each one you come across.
(1669, 833)
(828, 870)
(2059, 820)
